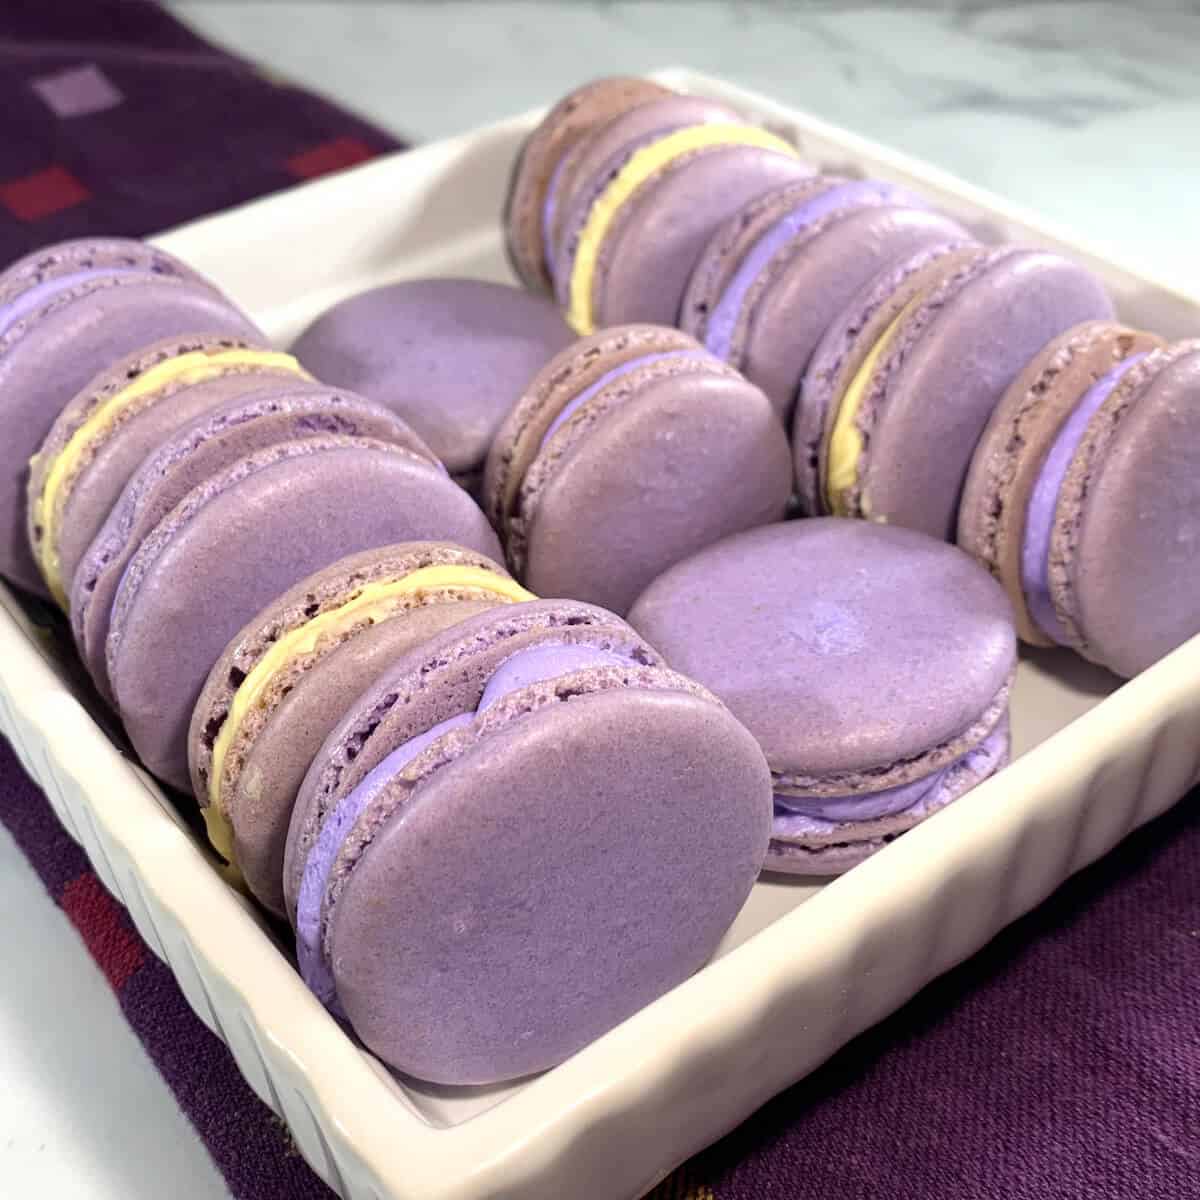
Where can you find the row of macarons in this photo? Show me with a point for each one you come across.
(910, 363)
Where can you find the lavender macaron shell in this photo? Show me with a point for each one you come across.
(542, 887)
(938, 386)
(686, 459)
(850, 650)
(263, 415)
(57, 354)
(657, 237)
(803, 846)
(245, 538)
(449, 356)
(278, 758)
(808, 290)
(1128, 577)
(99, 485)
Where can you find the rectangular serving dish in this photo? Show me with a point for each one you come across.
(805, 967)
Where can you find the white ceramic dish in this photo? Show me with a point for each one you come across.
(804, 968)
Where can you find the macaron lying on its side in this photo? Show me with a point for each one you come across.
(780, 270)
(571, 119)
(262, 414)
(101, 437)
(873, 665)
(290, 675)
(1084, 492)
(632, 232)
(631, 449)
(67, 312)
(450, 356)
(241, 537)
(901, 386)
(525, 831)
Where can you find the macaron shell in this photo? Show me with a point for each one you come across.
(685, 460)
(246, 542)
(850, 650)
(1132, 502)
(800, 852)
(98, 487)
(541, 888)
(59, 353)
(449, 356)
(945, 379)
(1023, 427)
(591, 155)
(846, 343)
(563, 378)
(807, 287)
(658, 235)
(281, 752)
(209, 445)
(434, 682)
(571, 118)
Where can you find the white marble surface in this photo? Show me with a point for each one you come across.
(1086, 112)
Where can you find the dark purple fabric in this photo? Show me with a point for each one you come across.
(115, 118)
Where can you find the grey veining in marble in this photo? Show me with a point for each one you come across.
(1085, 112)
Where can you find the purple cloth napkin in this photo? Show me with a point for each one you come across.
(1062, 1063)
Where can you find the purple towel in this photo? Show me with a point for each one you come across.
(1062, 1063)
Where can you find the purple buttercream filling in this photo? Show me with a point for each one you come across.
(722, 321)
(549, 208)
(823, 815)
(1039, 515)
(608, 377)
(41, 294)
(548, 660)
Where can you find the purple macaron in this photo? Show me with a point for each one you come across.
(900, 387)
(779, 271)
(524, 832)
(242, 536)
(1083, 494)
(449, 356)
(873, 665)
(66, 313)
(631, 450)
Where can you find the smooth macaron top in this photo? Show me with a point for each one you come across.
(101, 435)
(1013, 450)
(449, 356)
(631, 449)
(569, 120)
(899, 440)
(251, 693)
(241, 537)
(65, 315)
(860, 656)
(766, 292)
(571, 904)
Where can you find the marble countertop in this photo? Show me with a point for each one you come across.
(1085, 112)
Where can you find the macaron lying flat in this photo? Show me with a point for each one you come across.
(778, 272)
(903, 391)
(291, 674)
(634, 230)
(66, 313)
(1082, 496)
(243, 536)
(524, 832)
(873, 665)
(566, 123)
(450, 356)
(100, 438)
(631, 450)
